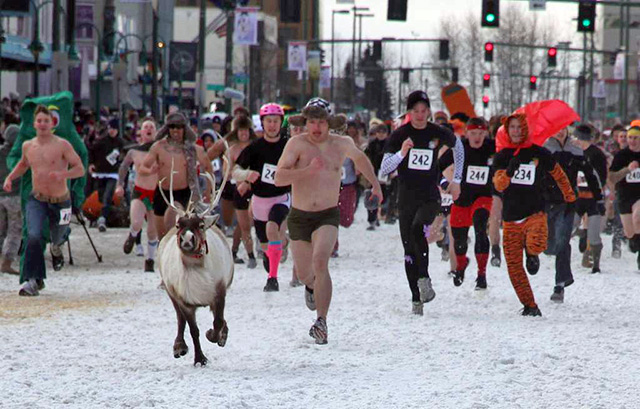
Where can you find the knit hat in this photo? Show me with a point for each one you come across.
(583, 133)
(114, 123)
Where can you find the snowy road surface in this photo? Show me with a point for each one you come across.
(101, 336)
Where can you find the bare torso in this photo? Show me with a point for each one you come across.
(165, 155)
(147, 182)
(45, 156)
(321, 190)
(236, 150)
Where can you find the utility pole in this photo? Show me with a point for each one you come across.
(154, 68)
(228, 67)
(201, 57)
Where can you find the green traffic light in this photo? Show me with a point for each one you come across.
(586, 22)
(491, 18)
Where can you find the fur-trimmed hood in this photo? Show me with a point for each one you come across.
(177, 118)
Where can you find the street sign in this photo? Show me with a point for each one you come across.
(215, 87)
(182, 65)
(537, 5)
(241, 78)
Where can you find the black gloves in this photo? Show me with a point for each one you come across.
(514, 164)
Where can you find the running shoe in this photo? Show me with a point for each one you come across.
(252, 263)
(372, 226)
(57, 261)
(531, 312)
(148, 265)
(29, 289)
(139, 250)
(458, 274)
(481, 283)
(309, 298)
(271, 286)
(427, 293)
(319, 331)
(417, 308)
(128, 244)
(558, 294)
(102, 224)
(582, 243)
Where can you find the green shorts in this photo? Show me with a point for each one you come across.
(302, 224)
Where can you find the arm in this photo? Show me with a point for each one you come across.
(563, 183)
(205, 166)
(124, 168)
(501, 180)
(216, 150)
(617, 176)
(390, 162)
(593, 180)
(458, 161)
(286, 174)
(149, 165)
(240, 174)
(21, 167)
(76, 168)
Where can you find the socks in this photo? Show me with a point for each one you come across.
(461, 262)
(251, 256)
(152, 246)
(274, 252)
(481, 259)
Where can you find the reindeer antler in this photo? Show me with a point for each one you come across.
(212, 180)
(170, 201)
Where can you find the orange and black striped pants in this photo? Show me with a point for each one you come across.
(529, 234)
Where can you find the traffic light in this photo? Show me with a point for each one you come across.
(533, 83)
(586, 17)
(551, 57)
(485, 101)
(377, 50)
(321, 56)
(397, 10)
(490, 13)
(444, 50)
(488, 51)
(454, 74)
(486, 80)
(405, 75)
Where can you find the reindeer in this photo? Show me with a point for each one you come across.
(196, 267)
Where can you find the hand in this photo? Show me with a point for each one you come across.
(514, 164)
(570, 208)
(7, 185)
(244, 188)
(253, 176)
(316, 164)
(406, 145)
(454, 190)
(376, 191)
(633, 165)
(154, 168)
(92, 168)
(119, 191)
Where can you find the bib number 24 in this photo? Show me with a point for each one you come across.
(269, 174)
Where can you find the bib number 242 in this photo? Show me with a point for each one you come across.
(420, 159)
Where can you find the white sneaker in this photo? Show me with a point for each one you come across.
(102, 224)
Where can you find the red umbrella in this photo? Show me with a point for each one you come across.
(544, 119)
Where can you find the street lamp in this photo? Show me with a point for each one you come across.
(333, 16)
(36, 46)
(353, 54)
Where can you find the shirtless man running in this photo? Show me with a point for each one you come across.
(175, 147)
(52, 161)
(311, 163)
(143, 191)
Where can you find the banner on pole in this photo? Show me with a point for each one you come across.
(245, 26)
(297, 56)
(325, 77)
(313, 64)
(618, 67)
(182, 65)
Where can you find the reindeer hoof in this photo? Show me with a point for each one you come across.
(180, 349)
(223, 336)
(218, 337)
(202, 361)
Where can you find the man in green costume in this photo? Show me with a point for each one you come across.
(59, 110)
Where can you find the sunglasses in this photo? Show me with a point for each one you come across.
(175, 126)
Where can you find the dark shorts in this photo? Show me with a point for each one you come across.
(179, 196)
(241, 202)
(228, 191)
(588, 206)
(145, 196)
(626, 206)
(302, 224)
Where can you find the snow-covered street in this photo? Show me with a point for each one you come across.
(101, 335)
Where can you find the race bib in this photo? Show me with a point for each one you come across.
(383, 178)
(582, 181)
(65, 216)
(633, 177)
(477, 175)
(446, 200)
(525, 175)
(268, 173)
(112, 158)
(420, 159)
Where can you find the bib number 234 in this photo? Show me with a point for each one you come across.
(525, 175)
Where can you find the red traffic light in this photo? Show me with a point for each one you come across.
(533, 79)
(486, 77)
(485, 99)
(553, 51)
(488, 46)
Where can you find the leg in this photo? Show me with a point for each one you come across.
(480, 220)
(160, 226)
(420, 232)
(137, 213)
(495, 220)
(322, 241)
(244, 222)
(536, 233)
(635, 211)
(347, 204)
(220, 331)
(302, 259)
(13, 237)
(562, 231)
(410, 266)
(227, 212)
(275, 234)
(180, 347)
(190, 315)
(34, 267)
(513, 246)
(235, 243)
(628, 225)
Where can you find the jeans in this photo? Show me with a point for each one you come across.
(106, 188)
(36, 214)
(560, 228)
